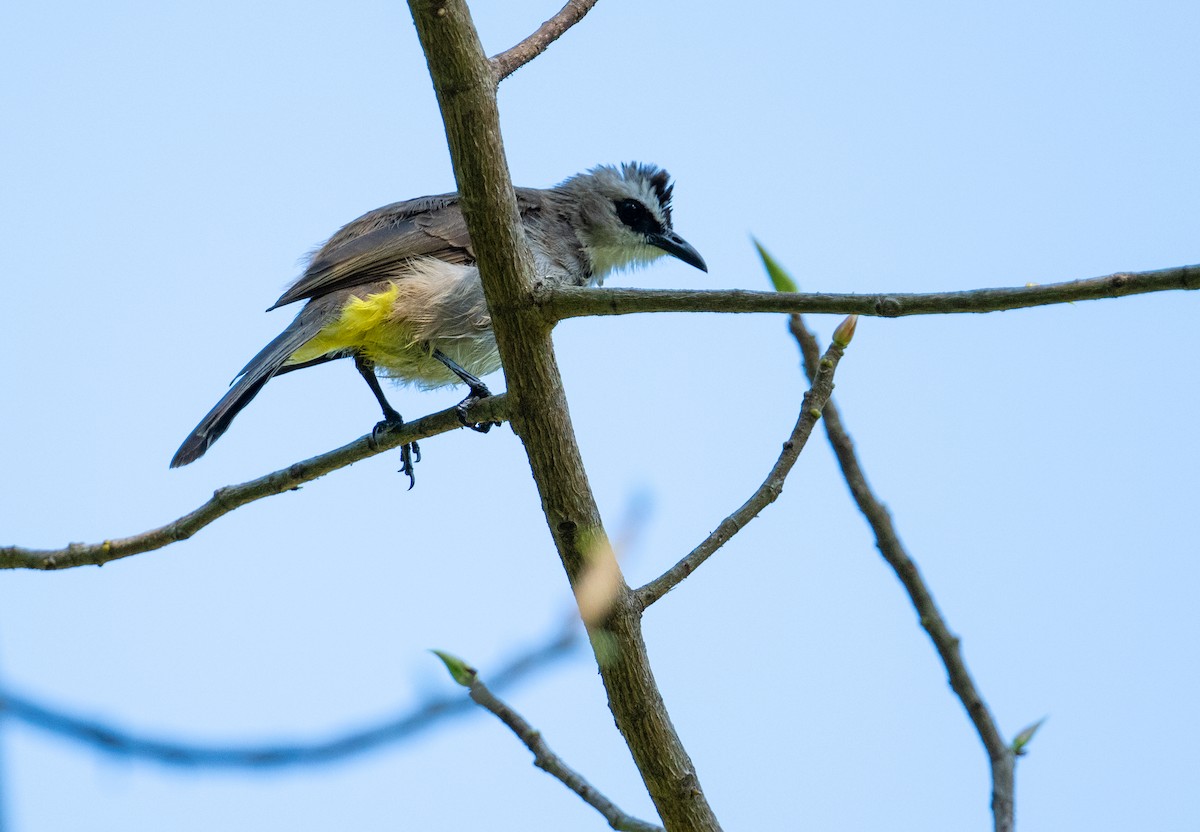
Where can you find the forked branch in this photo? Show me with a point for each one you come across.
(466, 91)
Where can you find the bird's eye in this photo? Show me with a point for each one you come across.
(635, 215)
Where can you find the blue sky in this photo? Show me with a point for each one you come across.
(164, 169)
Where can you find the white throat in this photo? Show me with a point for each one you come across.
(606, 259)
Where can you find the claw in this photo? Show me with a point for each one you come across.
(479, 392)
(406, 463)
(466, 404)
(409, 454)
(384, 427)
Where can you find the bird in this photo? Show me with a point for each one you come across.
(398, 292)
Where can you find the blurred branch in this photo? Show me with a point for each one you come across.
(466, 90)
(947, 644)
(810, 411)
(543, 757)
(115, 741)
(510, 60)
(560, 302)
(230, 497)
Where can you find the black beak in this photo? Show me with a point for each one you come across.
(676, 246)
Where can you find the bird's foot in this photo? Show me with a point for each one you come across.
(479, 392)
(410, 454)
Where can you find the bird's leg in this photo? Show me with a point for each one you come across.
(479, 392)
(409, 453)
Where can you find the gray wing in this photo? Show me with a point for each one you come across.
(371, 247)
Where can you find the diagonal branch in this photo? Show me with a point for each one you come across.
(767, 493)
(947, 644)
(466, 91)
(560, 302)
(118, 742)
(551, 763)
(230, 497)
(510, 60)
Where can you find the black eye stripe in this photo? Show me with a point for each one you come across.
(636, 216)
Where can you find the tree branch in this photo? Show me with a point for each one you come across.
(230, 497)
(116, 741)
(1000, 755)
(552, 764)
(466, 92)
(767, 493)
(510, 60)
(561, 302)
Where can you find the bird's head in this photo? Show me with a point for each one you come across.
(624, 217)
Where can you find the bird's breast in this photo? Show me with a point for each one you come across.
(431, 305)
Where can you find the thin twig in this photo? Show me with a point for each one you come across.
(947, 644)
(510, 60)
(560, 302)
(121, 743)
(552, 764)
(767, 493)
(230, 497)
